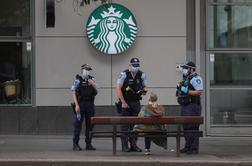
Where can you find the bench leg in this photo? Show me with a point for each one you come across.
(114, 140)
(178, 141)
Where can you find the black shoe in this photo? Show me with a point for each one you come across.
(76, 147)
(135, 149)
(192, 152)
(184, 150)
(90, 147)
(125, 149)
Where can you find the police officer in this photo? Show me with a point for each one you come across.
(84, 91)
(131, 84)
(189, 92)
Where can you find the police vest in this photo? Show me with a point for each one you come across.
(132, 86)
(185, 99)
(84, 91)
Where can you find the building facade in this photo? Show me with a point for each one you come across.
(42, 49)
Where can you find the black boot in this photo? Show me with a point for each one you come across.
(90, 147)
(76, 147)
(184, 150)
(125, 147)
(134, 147)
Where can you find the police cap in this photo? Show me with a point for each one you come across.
(189, 64)
(86, 67)
(135, 62)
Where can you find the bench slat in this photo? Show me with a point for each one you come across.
(115, 120)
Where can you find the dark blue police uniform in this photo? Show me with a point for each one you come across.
(130, 88)
(191, 107)
(85, 94)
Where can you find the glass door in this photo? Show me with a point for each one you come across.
(229, 67)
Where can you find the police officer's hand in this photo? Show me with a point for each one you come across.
(77, 108)
(145, 90)
(125, 105)
(90, 82)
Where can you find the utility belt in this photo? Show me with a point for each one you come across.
(132, 98)
(85, 98)
(187, 99)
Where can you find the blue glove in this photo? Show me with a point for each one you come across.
(78, 116)
(184, 89)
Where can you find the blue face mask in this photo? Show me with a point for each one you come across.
(185, 72)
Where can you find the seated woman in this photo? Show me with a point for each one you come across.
(152, 109)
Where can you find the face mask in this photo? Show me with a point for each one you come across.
(185, 72)
(86, 73)
(134, 69)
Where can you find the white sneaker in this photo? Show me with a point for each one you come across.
(147, 152)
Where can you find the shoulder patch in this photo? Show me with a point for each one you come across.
(198, 81)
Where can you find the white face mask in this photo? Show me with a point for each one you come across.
(185, 72)
(134, 69)
(86, 73)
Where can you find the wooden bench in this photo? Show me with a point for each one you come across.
(131, 120)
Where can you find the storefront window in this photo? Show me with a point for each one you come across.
(16, 52)
(230, 24)
(229, 35)
(231, 106)
(15, 73)
(230, 88)
(15, 18)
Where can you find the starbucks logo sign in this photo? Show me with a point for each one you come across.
(111, 28)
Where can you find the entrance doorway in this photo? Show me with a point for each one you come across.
(229, 67)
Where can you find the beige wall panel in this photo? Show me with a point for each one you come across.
(63, 97)
(158, 57)
(158, 17)
(154, 18)
(53, 97)
(166, 96)
(58, 60)
(68, 22)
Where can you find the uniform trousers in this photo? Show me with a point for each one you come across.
(87, 110)
(191, 141)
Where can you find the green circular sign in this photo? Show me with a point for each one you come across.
(111, 28)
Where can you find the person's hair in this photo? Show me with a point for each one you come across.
(153, 97)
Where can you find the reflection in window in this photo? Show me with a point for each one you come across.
(15, 18)
(231, 106)
(230, 26)
(231, 69)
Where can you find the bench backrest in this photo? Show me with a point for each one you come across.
(110, 120)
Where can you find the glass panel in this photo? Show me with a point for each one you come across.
(230, 26)
(15, 18)
(15, 72)
(231, 106)
(228, 69)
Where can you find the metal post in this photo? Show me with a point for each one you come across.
(178, 140)
(114, 140)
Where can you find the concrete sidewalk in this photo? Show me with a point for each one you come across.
(57, 150)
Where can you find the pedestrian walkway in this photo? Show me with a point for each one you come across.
(57, 150)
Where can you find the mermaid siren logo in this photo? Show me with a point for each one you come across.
(111, 28)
